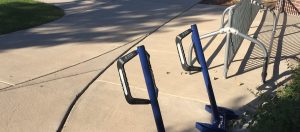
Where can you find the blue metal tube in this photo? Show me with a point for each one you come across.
(151, 88)
(201, 59)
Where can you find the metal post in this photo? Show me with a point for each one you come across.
(201, 59)
(227, 46)
(144, 59)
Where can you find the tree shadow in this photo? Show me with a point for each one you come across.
(105, 22)
(50, 35)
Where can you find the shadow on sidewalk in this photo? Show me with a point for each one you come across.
(103, 22)
(121, 32)
(285, 46)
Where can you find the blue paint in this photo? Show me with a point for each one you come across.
(148, 75)
(220, 115)
(150, 83)
(201, 59)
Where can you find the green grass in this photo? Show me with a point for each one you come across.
(22, 14)
(281, 114)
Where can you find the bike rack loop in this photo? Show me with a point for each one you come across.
(150, 83)
(181, 52)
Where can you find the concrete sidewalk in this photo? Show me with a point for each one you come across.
(181, 96)
(94, 29)
(98, 28)
(43, 68)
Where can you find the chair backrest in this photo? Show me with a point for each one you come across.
(291, 7)
(243, 14)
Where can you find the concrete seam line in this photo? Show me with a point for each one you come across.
(60, 128)
(162, 93)
(70, 66)
(141, 37)
(45, 81)
(62, 124)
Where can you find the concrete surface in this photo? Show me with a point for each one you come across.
(44, 63)
(88, 31)
(179, 94)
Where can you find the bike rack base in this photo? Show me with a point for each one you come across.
(204, 127)
(225, 115)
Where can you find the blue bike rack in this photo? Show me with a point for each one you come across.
(149, 79)
(220, 115)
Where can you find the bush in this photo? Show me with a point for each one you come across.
(282, 113)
